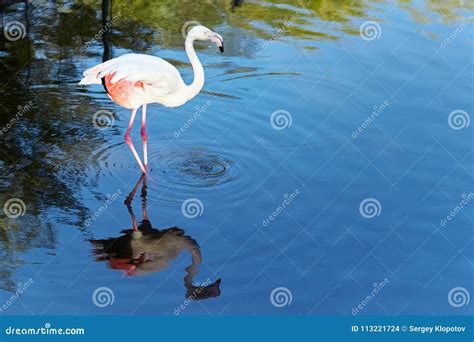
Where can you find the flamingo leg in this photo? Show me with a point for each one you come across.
(144, 193)
(144, 137)
(129, 141)
(128, 202)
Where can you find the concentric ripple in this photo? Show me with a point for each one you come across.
(182, 170)
(177, 170)
(195, 167)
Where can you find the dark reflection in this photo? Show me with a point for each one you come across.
(106, 27)
(144, 250)
(236, 3)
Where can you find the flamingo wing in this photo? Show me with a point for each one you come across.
(152, 73)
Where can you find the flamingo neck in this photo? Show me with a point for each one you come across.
(192, 269)
(194, 88)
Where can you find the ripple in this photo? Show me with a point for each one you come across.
(177, 170)
(182, 170)
(196, 167)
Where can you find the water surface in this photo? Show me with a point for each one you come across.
(274, 199)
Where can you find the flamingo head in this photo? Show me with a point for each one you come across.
(204, 292)
(203, 33)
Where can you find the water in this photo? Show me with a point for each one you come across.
(267, 206)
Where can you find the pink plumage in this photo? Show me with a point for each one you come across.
(122, 92)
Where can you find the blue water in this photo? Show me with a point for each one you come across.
(318, 245)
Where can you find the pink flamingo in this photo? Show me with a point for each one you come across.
(134, 80)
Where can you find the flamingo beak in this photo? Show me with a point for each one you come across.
(217, 39)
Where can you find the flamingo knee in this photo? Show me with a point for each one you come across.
(129, 142)
(144, 134)
(127, 138)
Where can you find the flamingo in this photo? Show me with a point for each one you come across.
(135, 80)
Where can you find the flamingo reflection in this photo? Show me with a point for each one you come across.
(144, 250)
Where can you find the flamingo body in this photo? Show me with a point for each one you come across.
(123, 92)
(133, 80)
